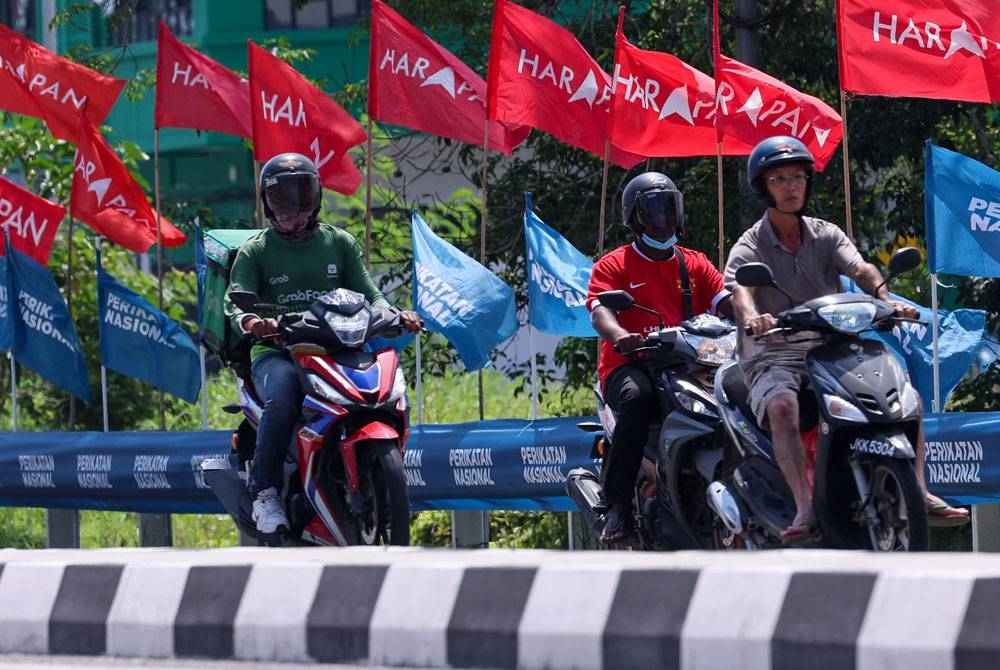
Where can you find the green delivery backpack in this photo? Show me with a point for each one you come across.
(218, 333)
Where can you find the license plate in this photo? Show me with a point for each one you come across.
(874, 446)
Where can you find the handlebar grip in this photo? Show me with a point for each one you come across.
(747, 330)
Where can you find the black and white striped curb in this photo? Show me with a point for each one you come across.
(508, 609)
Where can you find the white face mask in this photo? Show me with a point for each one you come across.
(294, 227)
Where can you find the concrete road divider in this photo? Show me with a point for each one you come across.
(507, 609)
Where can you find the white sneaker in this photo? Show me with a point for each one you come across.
(268, 512)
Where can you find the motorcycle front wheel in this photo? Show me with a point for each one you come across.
(899, 507)
(386, 517)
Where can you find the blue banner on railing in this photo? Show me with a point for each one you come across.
(509, 464)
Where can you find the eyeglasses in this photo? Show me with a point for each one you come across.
(782, 181)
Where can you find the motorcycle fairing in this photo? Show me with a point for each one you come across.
(732, 394)
(309, 446)
(367, 384)
(376, 430)
(311, 402)
(863, 372)
(247, 397)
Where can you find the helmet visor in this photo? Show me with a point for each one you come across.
(292, 193)
(659, 209)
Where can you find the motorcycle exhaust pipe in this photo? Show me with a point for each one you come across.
(584, 489)
(723, 502)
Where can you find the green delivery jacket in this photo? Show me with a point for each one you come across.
(295, 274)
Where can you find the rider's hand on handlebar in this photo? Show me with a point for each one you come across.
(261, 328)
(629, 342)
(410, 321)
(904, 310)
(762, 323)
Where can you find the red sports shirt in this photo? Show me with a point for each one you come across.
(653, 284)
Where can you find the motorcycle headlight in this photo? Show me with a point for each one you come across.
(852, 317)
(322, 389)
(349, 329)
(713, 350)
(839, 408)
(693, 399)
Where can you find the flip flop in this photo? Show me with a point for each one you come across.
(943, 515)
(800, 532)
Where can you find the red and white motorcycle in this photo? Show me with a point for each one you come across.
(344, 477)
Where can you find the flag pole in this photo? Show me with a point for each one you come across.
(482, 241)
(604, 196)
(258, 205)
(531, 329)
(419, 383)
(368, 194)
(12, 304)
(847, 168)
(159, 253)
(936, 404)
(716, 53)
(104, 370)
(13, 389)
(722, 234)
(71, 419)
(199, 242)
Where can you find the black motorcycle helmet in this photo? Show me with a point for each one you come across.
(772, 152)
(649, 197)
(289, 183)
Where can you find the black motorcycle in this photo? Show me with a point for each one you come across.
(685, 447)
(860, 412)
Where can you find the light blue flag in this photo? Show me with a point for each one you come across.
(962, 212)
(459, 298)
(960, 344)
(140, 341)
(42, 334)
(558, 275)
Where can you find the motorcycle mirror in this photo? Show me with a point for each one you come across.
(616, 300)
(758, 275)
(903, 261)
(754, 275)
(245, 300)
(622, 300)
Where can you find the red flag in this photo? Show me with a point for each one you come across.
(290, 114)
(753, 106)
(540, 75)
(194, 91)
(30, 220)
(943, 49)
(415, 82)
(36, 82)
(107, 198)
(664, 107)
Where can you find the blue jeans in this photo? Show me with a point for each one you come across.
(277, 385)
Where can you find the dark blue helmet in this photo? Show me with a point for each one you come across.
(771, 152)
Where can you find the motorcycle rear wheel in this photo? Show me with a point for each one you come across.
(900, 507)
(387, 502)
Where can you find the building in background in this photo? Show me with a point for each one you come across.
(213, 168)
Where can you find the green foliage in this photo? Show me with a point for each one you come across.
(22, 528)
